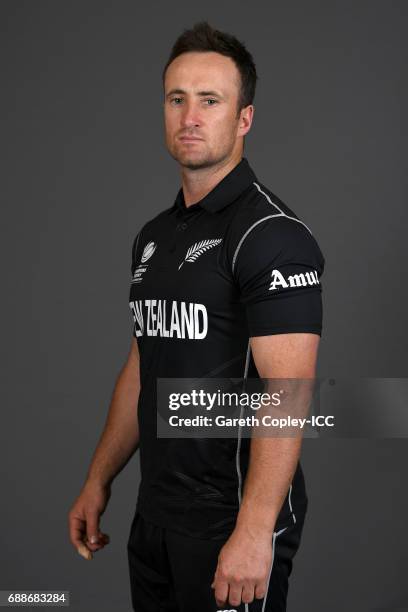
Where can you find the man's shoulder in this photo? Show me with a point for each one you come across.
(263, 222)
(261, 202)
(262, 208)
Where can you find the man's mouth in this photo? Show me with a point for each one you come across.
(190, 139)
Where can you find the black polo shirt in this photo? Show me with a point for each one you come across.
(205, 278)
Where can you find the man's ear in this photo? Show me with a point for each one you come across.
(245, 119)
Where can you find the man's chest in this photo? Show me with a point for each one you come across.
(181, 285)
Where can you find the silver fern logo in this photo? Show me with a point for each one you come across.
(199, 248)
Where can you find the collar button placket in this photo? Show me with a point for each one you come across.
(180, 227)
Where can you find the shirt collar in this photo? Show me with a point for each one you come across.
(225, 192)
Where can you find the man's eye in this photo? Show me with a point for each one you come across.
(176, 100)
(211, 101)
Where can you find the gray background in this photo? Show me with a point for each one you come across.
(84, 166)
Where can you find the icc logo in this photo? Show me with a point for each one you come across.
(148, 251)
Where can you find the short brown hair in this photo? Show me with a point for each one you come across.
(202, 37)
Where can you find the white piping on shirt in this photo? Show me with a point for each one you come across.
(281, 211)
(237, 458)
(290, 503)
(247, 232)
(279, 214)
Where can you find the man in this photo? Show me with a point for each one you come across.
(225, 283)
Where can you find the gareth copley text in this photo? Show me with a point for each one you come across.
(251, 421)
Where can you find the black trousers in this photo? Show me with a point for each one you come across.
(171, 572)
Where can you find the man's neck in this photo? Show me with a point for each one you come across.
(197, 183)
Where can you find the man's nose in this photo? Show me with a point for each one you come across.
(190, 116)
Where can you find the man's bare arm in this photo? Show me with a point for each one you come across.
(273, 460)
(118, 442)
(120, 437)
(244, 561)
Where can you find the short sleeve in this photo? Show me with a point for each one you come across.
(278, 265)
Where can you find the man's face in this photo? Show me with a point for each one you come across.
(202, 124)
